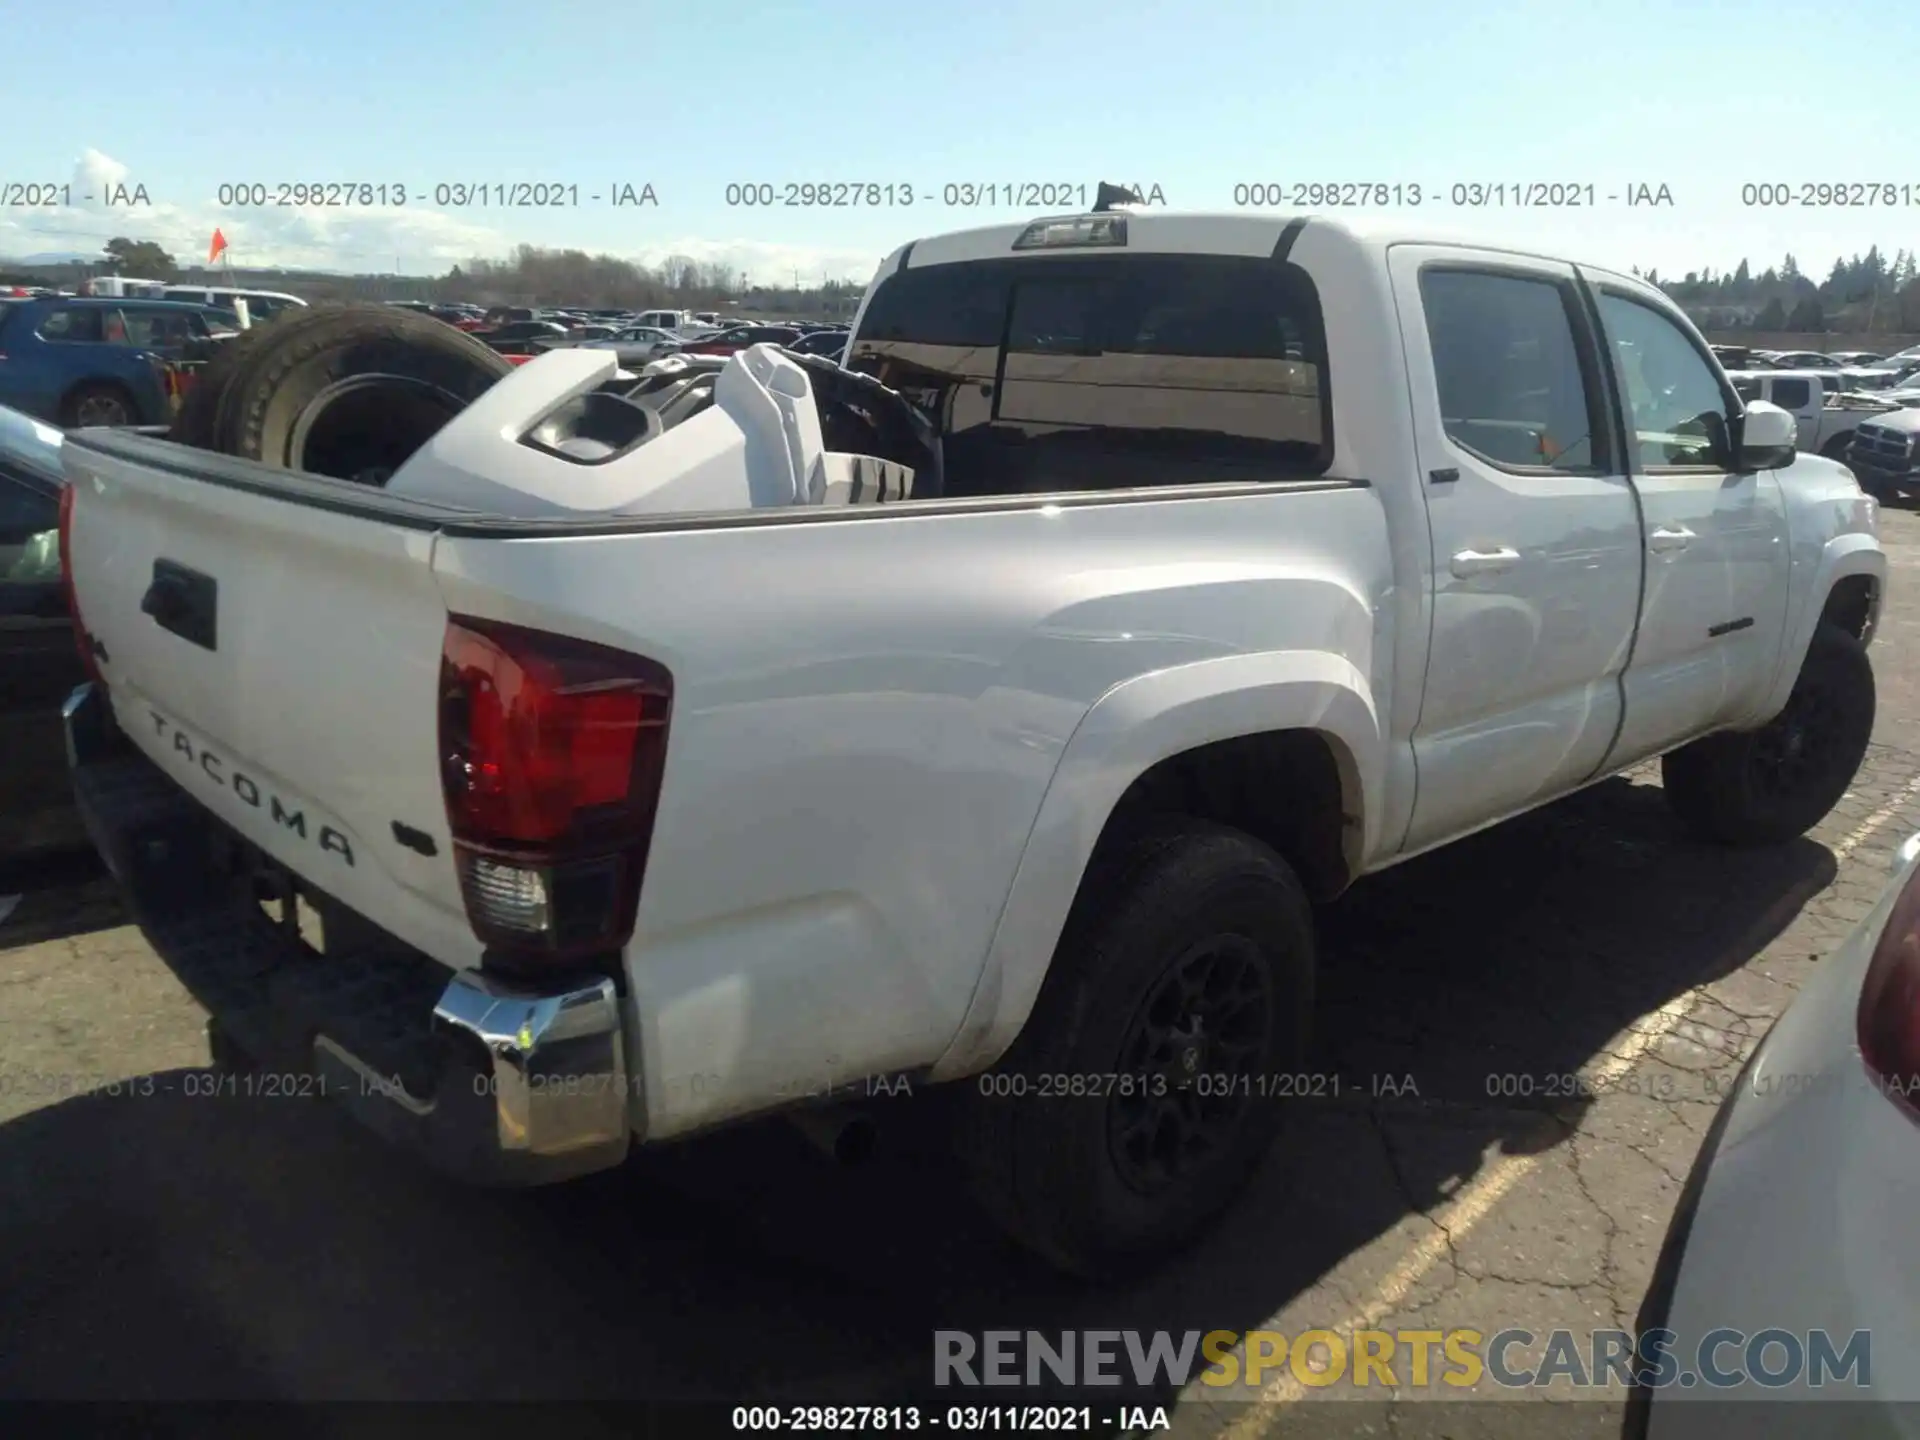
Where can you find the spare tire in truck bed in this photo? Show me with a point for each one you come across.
(344, 390)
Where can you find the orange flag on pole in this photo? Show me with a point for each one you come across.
(219, 244)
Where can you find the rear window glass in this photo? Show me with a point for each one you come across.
(1792, 394)
(157, 327)
(1089, 374)
(84, 323)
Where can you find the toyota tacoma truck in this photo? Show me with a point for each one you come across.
(990, 713)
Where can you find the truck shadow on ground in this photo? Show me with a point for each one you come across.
(57, 894)
(176, 1246)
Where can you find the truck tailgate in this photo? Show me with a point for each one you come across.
(280, 661)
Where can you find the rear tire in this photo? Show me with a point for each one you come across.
(1183, 980)
(344, 390)
(1766, 786)
(98, 404)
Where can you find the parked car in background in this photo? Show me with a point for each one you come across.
(1898, 389)
(1854, 359)
(1867, 378)
(261, 304)
(831, 343)
(637, 344)
(1802, 360)
(1799, 1204)
(731, 342)
(73, 362)
(1882, 454)
(121, 287)
(39, 662)
(675, 320)
(178, 331)
(521, 337)
(1823, 420)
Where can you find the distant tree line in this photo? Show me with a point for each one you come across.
(1869, 293)
(529, 276)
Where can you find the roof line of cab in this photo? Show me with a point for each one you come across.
(1264, 234)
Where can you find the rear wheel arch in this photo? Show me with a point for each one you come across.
(1320, 831)
(96, 384)
(1240, 777)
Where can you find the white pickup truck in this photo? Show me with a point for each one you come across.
(1824, 420)
(614, 780)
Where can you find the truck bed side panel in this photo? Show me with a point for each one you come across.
(867, 715)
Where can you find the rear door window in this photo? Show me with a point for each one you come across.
(1507, 364)
(81, 323)
(157, 328)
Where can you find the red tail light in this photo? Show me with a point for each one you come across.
(80, 636)
(553, 751)
(1888, 1024)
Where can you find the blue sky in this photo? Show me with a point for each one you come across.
(1700, 96)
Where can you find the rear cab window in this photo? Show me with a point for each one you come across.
(1792, 394)
(1077, 373)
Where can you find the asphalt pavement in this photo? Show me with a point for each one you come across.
(161, 1240)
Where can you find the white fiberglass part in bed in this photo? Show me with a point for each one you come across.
(759, 445)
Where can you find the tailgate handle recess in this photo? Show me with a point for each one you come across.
(184, 602)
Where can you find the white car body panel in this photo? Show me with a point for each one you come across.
(1803, 1221)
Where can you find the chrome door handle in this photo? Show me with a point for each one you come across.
(1668, 538)
(1485, 562)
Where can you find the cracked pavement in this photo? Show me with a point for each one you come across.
(1530, 1032)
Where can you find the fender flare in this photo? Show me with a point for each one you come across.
(1129, 730)
(1844, 556)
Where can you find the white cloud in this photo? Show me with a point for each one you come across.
(374, 240)
(767, 263)
(95, 173)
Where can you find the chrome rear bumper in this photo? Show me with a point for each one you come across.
(497, 1082)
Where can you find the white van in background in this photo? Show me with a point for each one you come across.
(261, 304)
(118, 287)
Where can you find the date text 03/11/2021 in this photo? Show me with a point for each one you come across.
(958, 1419)
(443, 195)
(1457, 194)
(1058, 195)
(191, 1084)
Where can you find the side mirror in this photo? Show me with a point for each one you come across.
(1767, 438)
